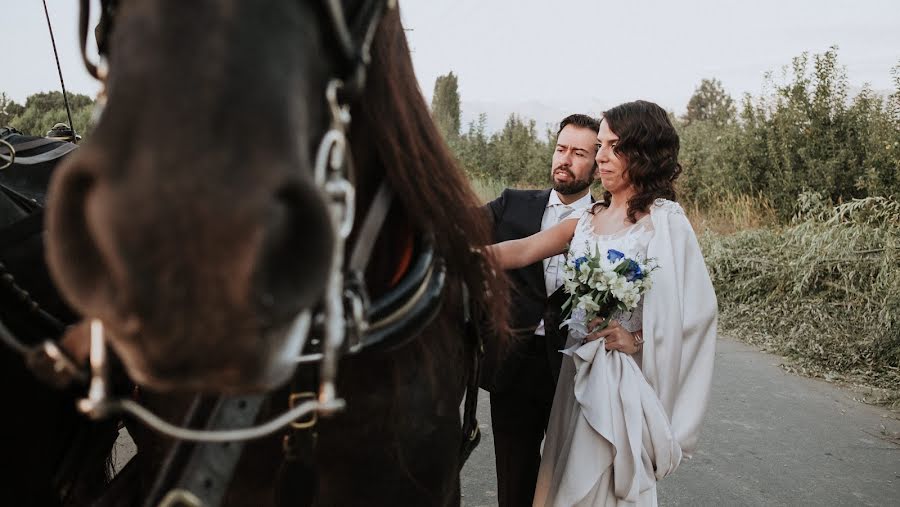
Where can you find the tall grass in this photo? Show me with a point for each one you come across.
(487, 190)
(490, 189)
(730, 212)
(824, 290)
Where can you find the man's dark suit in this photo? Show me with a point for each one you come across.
(522, 383)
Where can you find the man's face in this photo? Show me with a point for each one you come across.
(573, 167)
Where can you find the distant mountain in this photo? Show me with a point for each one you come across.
(545, 114)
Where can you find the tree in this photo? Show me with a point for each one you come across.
(894, 98)
(43, 110)
(710, 102)
(517, 155)
(8, 109)
(472, 149)
(445, 106)
(804, 135)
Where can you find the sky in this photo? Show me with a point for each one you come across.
(549, 56)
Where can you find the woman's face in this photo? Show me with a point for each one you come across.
(610, 167)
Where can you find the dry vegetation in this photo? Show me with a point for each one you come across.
(823, 290)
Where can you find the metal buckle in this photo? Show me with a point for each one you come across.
(12, 155)
(293, 400)
(357, 325)
(180, 498)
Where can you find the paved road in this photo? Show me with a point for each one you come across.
(770, 438)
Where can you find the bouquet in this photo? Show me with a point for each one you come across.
(600, 284)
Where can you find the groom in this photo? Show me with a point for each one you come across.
(523, 381)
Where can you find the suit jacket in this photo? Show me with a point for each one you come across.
(518, 214)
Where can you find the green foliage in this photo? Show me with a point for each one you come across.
(43, 110)
(445, 105)
(473, 150)
(8, 109)
(806, 134)
(710, 103)
(514, 156)
(824, 291)
(517, 155)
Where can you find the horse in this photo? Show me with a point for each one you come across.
(52, 455)
(194, 226)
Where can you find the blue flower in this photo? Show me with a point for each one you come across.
(614, 255)
(633, 271)
(579, 261)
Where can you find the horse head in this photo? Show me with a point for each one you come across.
(189, 223)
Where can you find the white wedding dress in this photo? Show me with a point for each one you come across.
(607, 427)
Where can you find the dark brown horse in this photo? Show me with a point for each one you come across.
(190, 225)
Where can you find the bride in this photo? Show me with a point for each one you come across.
(631, 397)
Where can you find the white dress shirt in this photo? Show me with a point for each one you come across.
(555, 212)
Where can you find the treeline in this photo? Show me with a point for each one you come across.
(518, 155)
(43, 110)
(804, 134)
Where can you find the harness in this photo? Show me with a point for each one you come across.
(349, 322)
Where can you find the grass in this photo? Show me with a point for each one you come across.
(487, 190)
(823, 291)
(731, 213)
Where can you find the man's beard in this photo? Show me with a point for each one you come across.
(572, 186)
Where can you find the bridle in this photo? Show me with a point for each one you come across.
(351, 323)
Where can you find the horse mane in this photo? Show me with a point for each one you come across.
(442, 200)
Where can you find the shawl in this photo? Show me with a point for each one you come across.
(650, 415)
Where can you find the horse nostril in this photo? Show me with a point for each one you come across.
(296, 254)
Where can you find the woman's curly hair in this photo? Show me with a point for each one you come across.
(649, 146)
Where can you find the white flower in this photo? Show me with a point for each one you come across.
(595, 280)
(587, 303)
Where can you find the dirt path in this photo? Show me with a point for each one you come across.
(770, 438)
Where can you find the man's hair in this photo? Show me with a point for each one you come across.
(579, 120)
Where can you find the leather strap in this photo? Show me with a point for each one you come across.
(47, 156)
(398, 316)
(27, 204)
(203, 478)
(371, 227)
(471, 432)
(208, 472)
(27, 145)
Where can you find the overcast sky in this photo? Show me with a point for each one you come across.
(572, 54)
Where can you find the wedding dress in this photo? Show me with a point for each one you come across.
(609, 438)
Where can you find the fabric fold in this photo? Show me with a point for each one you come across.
(622, 409)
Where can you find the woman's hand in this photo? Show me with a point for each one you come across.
(617, 337)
